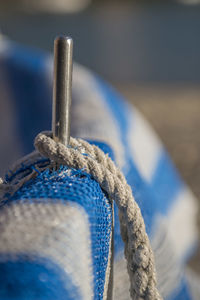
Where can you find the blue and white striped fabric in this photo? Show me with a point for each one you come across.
(56, 230)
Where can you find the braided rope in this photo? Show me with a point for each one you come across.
(138, 252)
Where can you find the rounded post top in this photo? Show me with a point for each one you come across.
(63, 39)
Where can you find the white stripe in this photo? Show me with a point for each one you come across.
(182, 222)
(144, 144)
(121, 279)
(173, 236)
(169, 272)
(91, 116)
(57, 231)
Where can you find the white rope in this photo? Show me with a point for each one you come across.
(138, 252)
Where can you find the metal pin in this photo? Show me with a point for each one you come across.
(62, 89)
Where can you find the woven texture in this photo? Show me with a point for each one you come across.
(101, 116)
(47, 219)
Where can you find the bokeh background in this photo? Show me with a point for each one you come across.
(149, 50)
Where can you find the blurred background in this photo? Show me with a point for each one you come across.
(149, 51)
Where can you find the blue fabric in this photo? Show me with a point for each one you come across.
(182, 293)
(110, 123)
(49, 188)
(35, 278)
(25, 72)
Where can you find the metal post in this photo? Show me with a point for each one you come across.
(62, 89)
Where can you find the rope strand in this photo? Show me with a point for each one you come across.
(138, 252)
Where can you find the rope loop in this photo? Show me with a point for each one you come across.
(82, 155)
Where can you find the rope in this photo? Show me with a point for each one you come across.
(138, 252)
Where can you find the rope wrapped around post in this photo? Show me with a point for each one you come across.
(82, 155)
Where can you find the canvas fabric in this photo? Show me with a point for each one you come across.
(57, 229)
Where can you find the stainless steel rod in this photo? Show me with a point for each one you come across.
(62, 89)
